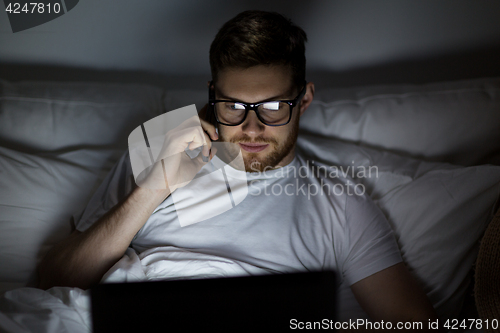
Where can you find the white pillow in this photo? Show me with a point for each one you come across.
(57, 143)
(62, 116)
(438, 211)
(39, 194)
(455, 122)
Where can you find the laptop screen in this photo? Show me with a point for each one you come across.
(278, 302)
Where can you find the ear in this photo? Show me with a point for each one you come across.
(208, 84)
(307, 99)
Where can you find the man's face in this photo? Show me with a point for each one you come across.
(263, 147)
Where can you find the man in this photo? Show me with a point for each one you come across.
(258, 94)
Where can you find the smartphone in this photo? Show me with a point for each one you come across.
(210, 113)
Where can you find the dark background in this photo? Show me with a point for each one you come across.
(351, 42)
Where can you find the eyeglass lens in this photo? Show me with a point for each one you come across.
(272, 113)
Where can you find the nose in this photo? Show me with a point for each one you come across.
(252, 125)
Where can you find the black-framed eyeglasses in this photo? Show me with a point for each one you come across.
(270, 113)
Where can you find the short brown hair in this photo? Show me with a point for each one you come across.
(259, 38)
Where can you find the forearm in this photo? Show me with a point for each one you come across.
(83, 258)
(394, 297)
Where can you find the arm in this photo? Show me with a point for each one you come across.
(84, 257)
(387, 291)
(393, 295)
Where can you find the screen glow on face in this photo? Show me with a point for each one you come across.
(271, 112)
(270, 106)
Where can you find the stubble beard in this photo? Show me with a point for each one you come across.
(254, 163)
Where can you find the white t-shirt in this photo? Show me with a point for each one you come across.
(295, 218)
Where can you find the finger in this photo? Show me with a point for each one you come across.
(199, 139)
(200, 160)
(176, 142)
(206, 148)
(209, 129)
(213, 151)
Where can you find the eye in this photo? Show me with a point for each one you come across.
(272, 106)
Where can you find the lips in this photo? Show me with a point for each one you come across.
(253, 147)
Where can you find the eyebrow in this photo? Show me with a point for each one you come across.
(274, 98)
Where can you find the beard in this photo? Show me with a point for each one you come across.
(254, 163)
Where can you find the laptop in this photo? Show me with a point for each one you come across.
(239, 304)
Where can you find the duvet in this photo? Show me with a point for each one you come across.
(64, 309)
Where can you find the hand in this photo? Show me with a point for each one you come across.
(173, 167)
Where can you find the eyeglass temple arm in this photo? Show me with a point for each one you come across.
(209, 115)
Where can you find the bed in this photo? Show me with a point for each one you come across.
(435, 148)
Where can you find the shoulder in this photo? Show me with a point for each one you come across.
(337, 187)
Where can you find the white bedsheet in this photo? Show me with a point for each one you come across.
(59, 309)
(63, 309)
